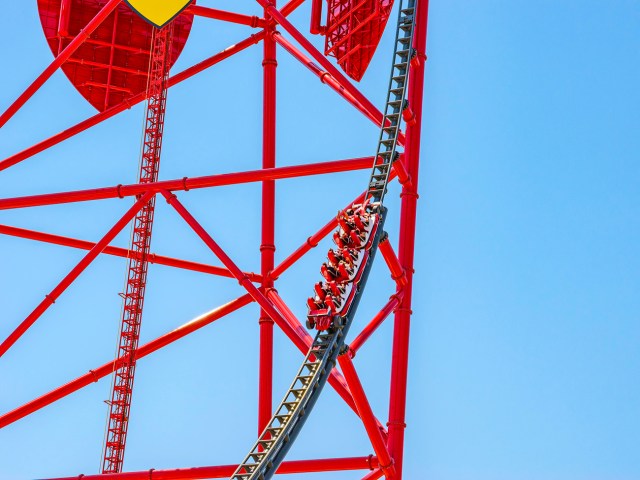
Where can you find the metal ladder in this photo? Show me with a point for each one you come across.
(273, 444)
(387, 151)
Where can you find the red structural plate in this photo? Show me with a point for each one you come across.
(112, 65)
(353, 32)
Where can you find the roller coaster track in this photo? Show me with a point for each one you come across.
(334, 305)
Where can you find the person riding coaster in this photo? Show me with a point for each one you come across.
(333, 297)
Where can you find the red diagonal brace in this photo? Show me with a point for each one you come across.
(120, 252)
(102, 116)
(121, 191)
(375, 475)
(73, 274)
(58, 61)
(325, 63)
(313, 240)
(367, 416)
(390, 258)
(106, 369)
(303, 341)
(373, 325)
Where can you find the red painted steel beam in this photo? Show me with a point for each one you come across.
(216, 14)
(367, 416)
(390, 258)
(325, 63)
(406, 251)
(316, 17)
(267, 245)
(324, 76)
(373, 325)
(51, 298)
(313, 240)
(223, 471)
(375, 475)
(121, 191)
(303, 341)
(106, 369)
(256, 294)
(102, 116)
(121, 252)
(58, 61)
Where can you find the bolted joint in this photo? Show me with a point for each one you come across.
(311, 243)
(409, 194)
(269, 61)
(267, 247)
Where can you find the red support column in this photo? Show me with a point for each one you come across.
(409, 195)
(72, 275)
(267, 247)
(224, 471)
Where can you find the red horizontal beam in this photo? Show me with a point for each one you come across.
(224, 471)
(106, 369)
(313, 240)
(121, 191)
(216, 14)
(121, 252)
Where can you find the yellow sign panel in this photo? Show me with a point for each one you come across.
(158, 12)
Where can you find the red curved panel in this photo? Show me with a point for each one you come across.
(112, 65)
(353, 32)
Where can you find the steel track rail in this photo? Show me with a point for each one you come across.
(277, 438)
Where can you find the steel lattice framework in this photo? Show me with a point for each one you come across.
(404, 101)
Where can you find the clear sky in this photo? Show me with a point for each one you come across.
(524, 352)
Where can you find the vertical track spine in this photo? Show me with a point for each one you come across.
(120, 403)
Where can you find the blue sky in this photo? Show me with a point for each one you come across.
(524, 352)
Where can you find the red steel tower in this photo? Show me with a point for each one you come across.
(117, 60)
